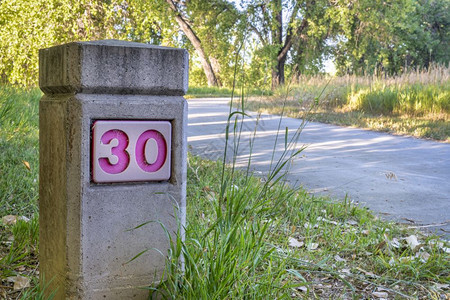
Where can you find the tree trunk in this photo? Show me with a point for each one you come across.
(193, 38)
(278, 70)
(278, 73)
(277, 38)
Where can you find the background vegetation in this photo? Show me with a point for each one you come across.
(415, 103)
(271, 40)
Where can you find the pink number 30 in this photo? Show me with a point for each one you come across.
(123, 157)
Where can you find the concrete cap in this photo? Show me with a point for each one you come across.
(113, 67)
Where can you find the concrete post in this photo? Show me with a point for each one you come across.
(112, 156)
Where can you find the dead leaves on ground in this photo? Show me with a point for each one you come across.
(307, 239)
(16, 268)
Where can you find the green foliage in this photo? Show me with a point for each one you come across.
(28, 26)
(390, 37)
(364, 37)
(148, 22)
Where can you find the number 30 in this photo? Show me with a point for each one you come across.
(123, 157)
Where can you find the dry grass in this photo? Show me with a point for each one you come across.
(416, 104)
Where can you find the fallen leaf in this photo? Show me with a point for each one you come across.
(26, 164)
(310, 226)
(394, 243)
(293, 242)
(302, 288)
(412, 241)
(437, 243)
(441, 286)
(313, 246)
(21, 282)
(338, 258)
(23, 218)
(383, 295)
(346, 271)
(211, 197)
(423, 256)
(406, 259)
(9, 220)
(326, 221)
(392, 261)
(370, 274)
(352, 222)
(380, 245)
(390, 175)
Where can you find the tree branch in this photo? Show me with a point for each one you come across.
(259, 34)
(266, 20)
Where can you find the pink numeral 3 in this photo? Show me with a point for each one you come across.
(119, 151)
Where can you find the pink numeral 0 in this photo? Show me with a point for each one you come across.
(124, 157)
(140, 151)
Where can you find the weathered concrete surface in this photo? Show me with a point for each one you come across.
(399, 177)
(85, 236)
(113, 67)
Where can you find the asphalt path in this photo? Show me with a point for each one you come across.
(400, 178)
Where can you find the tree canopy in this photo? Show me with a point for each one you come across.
(269, 39)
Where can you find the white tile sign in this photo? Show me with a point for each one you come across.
(126, 151)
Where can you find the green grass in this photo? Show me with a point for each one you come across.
(19, 148)
(241, 248)
(246, 236)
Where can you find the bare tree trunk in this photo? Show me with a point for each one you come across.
(291, 34)
(216, 68)
(277, 38)
(193, 38)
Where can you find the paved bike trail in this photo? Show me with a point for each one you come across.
(401, 178)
